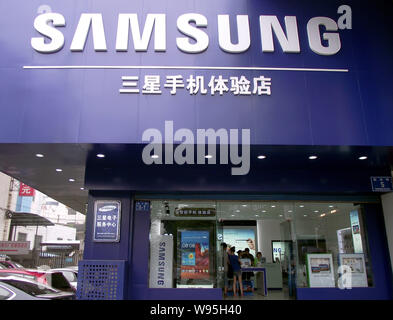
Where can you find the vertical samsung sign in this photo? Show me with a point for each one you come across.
(161, 257)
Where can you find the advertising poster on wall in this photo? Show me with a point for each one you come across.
(161, 257)
(194, 255)
(240, 239)
(358, 268)
(320, 271)
(356, 232)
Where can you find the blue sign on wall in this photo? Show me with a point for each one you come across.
(381, 184)
(107, 221)
(142, 206)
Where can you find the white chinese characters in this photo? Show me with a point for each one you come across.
(197, 84)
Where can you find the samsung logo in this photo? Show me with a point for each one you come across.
(193, 28)
(107, 208)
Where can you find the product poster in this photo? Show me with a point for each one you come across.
(240, 239)
(107, 221)
(356, 234)
(320, 270)
(194, 255)
(358, 268)
(161, 257)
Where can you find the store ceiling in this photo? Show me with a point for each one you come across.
(122, 169)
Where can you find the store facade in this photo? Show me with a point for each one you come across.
(197, 117)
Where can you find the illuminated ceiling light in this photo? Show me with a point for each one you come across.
(82, 188)
(208, 156)
(100, 155)
(362, 158)
(154, 156)
(71, 180)
(301, 206)
(273, 206)
(237, 210)
(39, 155)
(244, 205)
(304, 215)
(333, 211)
(313, 157)
(261, 157)
(257, 215)
(232, 215)
(331, 206)
(59, 170)
(322, 215)
(316, 211)
(290, 211)
(263, 211)
(280, 215)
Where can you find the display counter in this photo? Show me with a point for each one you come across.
(273, 275)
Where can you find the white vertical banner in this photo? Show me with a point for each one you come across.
(161, 260)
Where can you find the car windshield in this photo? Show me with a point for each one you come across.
(71, 277)
(58, 281)
(29, 287)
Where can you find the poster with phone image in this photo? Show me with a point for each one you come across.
(194, 254)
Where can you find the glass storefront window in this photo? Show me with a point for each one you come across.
(301, 244)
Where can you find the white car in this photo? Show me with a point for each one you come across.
(18, 288)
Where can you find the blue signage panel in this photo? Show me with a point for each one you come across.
(294, 73)
(381, 184)
(107, 221)
(142, 206)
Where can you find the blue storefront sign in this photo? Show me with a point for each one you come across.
(293, 74)
(381, 184)
(107, 221)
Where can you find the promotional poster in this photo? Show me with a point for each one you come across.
(194, 255)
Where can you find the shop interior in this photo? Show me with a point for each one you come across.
(286, 233)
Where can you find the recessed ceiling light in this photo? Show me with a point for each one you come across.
(59, 170)
(333, 211)
(208, 156)
(273, 206)
(263, 211)
(362, 158)
(257, 215)
(237, 210)
(280, 215)
(82, 188)
(312, 157)
(39, 155)
(323, 214)
(71, 180)
(331, 206)
(305, 215)
(100, 155)
(244, 205)
(301, 206)
(316, 211)
(290, 211)
(261, 157)
(232, 215)
(154, 156)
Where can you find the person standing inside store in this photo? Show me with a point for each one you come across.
(225, 263)
(237, 272)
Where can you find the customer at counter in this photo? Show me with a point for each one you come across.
(237, 272)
